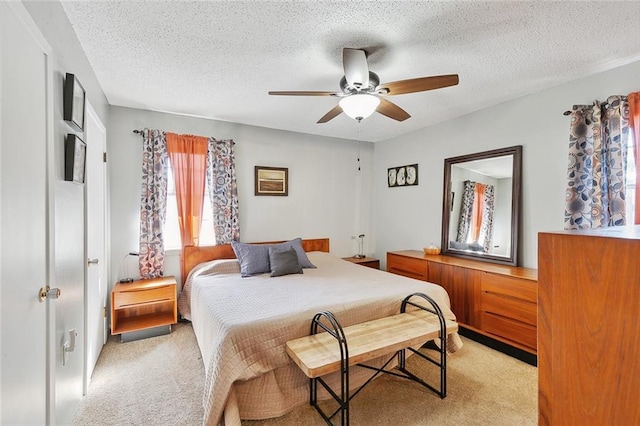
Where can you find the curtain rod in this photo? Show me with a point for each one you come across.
(604, 104)
(140, 132)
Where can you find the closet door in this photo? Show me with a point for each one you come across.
(24, 220)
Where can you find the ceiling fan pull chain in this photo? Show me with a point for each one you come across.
(359, 145)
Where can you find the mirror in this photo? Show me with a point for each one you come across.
(481, 205)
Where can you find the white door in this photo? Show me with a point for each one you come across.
(24, 217)
(96, 290)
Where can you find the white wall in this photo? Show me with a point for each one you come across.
(411, 217)
(67, 52)
(328, 196)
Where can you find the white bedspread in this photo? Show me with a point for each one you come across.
(242, 325)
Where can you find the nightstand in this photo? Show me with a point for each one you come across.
(369, 262)
(144, 305)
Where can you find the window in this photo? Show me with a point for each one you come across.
(171, 231)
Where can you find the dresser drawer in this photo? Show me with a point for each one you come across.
(510, 286)
(506, 328)
(136, 297)
(409, 267)
(509, 307)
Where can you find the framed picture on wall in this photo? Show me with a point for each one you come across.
(271, 181)
(75, 155)
(74, 98)
(402, 176)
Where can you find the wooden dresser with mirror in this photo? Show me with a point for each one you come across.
(491, 300)
(494, 300)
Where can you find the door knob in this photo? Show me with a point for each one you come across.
(92, 261)
(48, 293)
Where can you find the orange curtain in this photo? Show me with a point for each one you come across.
(478, 210)
(634, 124)
(188, 156)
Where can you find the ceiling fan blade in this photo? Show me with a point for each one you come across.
(392, 110)
(335, 111)
(356, 69)
(294, 93)
(419, 84)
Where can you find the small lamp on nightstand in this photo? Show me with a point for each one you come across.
(360, 254)
(127, 278)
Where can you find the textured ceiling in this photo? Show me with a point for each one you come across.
(218, 59)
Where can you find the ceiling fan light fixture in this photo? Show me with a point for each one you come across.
(360, 105)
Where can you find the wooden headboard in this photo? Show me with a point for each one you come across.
(193, 255)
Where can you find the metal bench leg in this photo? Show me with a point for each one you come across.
(402, 359)
(443, 338)
(343, 400)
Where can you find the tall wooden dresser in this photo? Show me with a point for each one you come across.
(589, 327)
(489, 300)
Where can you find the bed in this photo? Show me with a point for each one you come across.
(242, 323)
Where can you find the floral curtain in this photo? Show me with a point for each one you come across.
(486, 228)
(223, 193)
(153, 206)
(597, 165)
(188, 155)
(634, 124)
(466, 211)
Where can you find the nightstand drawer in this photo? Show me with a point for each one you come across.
(369, 262)
(141, 297)
(375, 264)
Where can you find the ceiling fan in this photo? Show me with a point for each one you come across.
(362, 93)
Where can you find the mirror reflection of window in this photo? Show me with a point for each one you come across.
(475, 226)
(481, 217)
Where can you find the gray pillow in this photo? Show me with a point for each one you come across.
(296, 244)
(254, 258)
(284, 262)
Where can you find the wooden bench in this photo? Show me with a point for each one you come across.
(339, 348)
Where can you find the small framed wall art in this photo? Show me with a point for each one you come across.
(402, 176)
(271, 181)
(75, 154)
(74, 97)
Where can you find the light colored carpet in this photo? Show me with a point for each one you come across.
(159, 381)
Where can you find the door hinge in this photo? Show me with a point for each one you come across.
(104, 311)
(104, 157)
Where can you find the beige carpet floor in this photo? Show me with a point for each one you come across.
(158, 381)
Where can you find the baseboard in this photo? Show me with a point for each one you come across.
(520, 354)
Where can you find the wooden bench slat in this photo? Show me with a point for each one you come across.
(319, 354)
